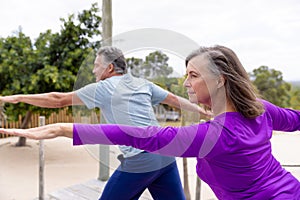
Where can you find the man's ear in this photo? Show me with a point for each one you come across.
(111, 68)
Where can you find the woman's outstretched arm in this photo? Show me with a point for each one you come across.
(42, 132)
(170, 141)
(283, 119)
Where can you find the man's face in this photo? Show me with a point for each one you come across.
(100, 69)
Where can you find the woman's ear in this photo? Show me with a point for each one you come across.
(221, 82)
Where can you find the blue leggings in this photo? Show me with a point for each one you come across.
(163, 182)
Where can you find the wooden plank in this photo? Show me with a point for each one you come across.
(95, 184)
(89, 190)
(65, 194)
(85, 191)
(46, 198)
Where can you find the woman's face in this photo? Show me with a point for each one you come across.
(201, 84)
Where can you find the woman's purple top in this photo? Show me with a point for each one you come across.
(234, 154)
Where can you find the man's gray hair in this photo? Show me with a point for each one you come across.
(113, 55)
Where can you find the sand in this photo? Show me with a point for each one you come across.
(65, 165)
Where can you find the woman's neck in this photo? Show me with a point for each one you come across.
(222, 107)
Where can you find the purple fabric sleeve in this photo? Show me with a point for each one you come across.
(283, 119)
(89, 134)
(172, 141)
(76, 138)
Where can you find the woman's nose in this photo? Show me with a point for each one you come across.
(186, 83)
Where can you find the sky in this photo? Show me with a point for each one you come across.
(261, 32)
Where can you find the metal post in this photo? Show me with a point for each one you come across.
(41, 162)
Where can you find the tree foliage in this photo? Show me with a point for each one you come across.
(134, 65)
(17, 62)
(295, 98)
(178, 88)
(271, 85)
(49, 64)
(154, 66)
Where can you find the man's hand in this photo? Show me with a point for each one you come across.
(16, 132)
(42, 132)
(9, 99)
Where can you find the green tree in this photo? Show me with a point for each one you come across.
(3, 116)
(178, 88)
(271, 85)
(17, 62)
(295, 98)
(155, 65)
(50, 64)
(134, 65)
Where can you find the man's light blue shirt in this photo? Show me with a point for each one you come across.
(124, 100)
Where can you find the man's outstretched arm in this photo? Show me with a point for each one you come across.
(184, 104)
(45, 100)
(43, 132)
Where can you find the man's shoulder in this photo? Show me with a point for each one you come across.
(129, 79)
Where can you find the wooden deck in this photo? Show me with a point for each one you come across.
(89, 190)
